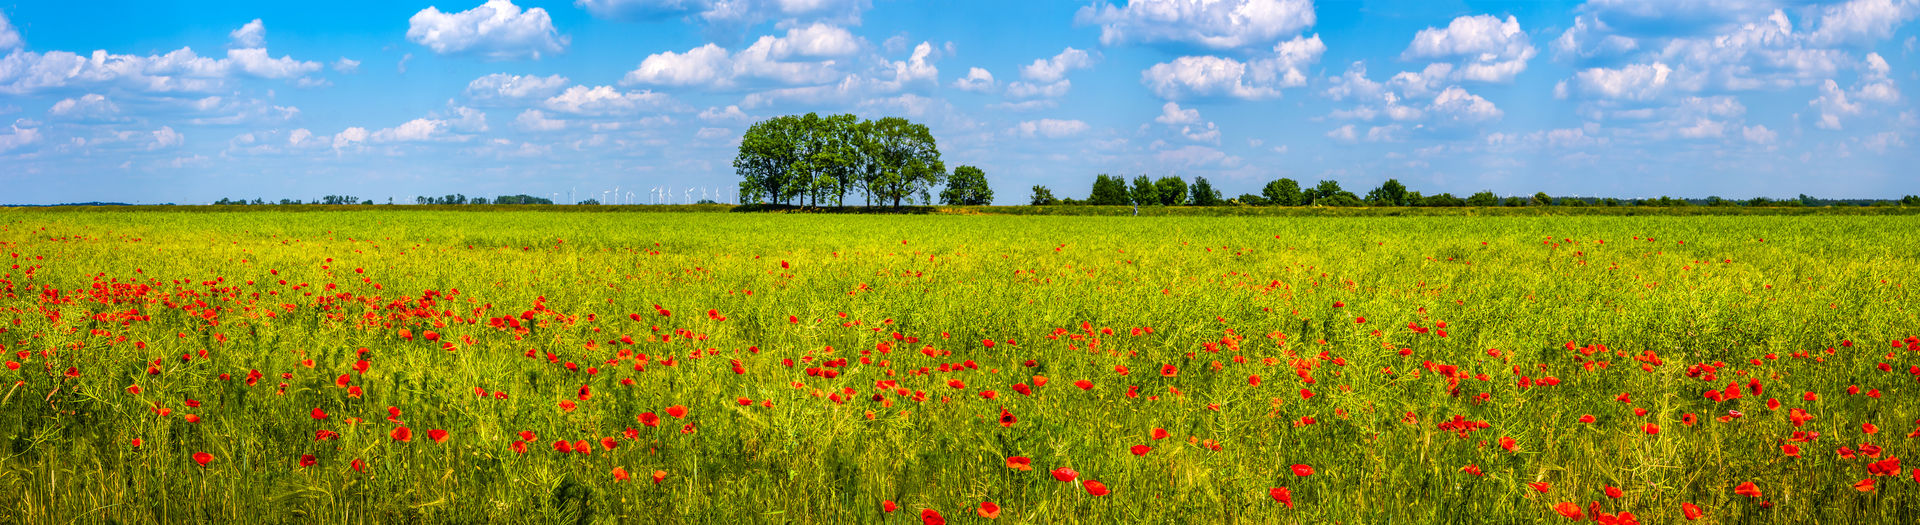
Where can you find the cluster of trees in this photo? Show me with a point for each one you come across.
(330, 199)
(1174, 191)
(503, 199)
(817, 160)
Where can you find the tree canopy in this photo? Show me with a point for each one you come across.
(967, 187)
(818, 160)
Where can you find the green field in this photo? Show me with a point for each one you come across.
(828, 364)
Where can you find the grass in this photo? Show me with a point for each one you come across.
(1798, 304)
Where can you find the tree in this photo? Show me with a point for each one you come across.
(1390, 193)
(1483, 199)
(1173, 190)
(905, 160)
(768, 151)
(1443, 200)
(1342, 199)
(1910, 200)
(1249, 199)
(590, 202)
(1328, 189)
(1283, 192)
(1109, 191)
(1144, 193)
(1541, 199)
(1042, 196)
(1204, 194)
(967, 187)
(1513, 202)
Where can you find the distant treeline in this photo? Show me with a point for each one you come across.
(349, 200)
(1174, 191)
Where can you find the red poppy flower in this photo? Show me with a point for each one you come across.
(608, 443)
(437, 435)
(136, 442)
(1790, 450)
(1472, 469)
(620, 474)
(1159, 434)
(1141, 450)
(1007, 419)
(989, 510)
(202, 458)
(1691, 511)
(932, 517)
(306, 460)
(401, 434)
(888, 506)
(1020, 463)
(1084, 384)
(1614, 492)
(1282, 495)
(1747, 489)
(1651, 429)
(1169, 371)
(1586, 418)
(563, 446)
(358, 465)
(677, 411)
(649, 419)
(1865, 485)
(318, 414)
(526, 435)
(1540, 486)
(1302, 470)
(1095, 488)
(1508, 443)
(658, 476)
(1065, 474)
(1570, 510)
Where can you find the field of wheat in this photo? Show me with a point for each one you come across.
(446, 366)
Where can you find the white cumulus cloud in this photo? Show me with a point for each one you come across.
(1218, 24)
(496, 30)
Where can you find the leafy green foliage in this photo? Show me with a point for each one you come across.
(967, 187)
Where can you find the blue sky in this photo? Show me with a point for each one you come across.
(190, 102)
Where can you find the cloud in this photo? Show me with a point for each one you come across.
(255, 61)
(92, 106)
(1051, 70)
(723, 16)
(1213, 76)
(180, 70)
(605, 100)
(1491, 50)
(18, 137)
(1833, 104)
(806, 55)
(977, 80)
(535, 120)
(1633, 82)
(1049, 128)
(346, 65)
(1861, 21)
(349, 137)
(1172, 115)
(1217, 24)
(1456, 105)
(1030, 90)
(415, 130)
(730, 114)
(497, 30)
(254, 34)
(1758, 134)
(883, 78)
(508, 88)
(166, 137)
(9, 37)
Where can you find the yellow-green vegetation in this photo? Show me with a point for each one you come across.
(448, 366)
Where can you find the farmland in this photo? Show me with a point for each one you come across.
(449, 366)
